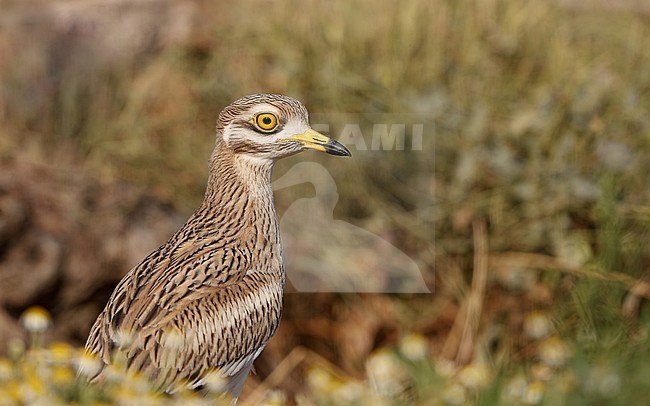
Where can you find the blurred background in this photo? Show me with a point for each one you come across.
(525, 210)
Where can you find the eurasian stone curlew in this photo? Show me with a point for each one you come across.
(210, 298)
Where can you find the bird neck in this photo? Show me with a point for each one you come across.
(232, 175)
(240, 198)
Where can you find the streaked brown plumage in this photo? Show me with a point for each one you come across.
(217, 283)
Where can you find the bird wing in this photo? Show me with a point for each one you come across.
(223, 312)
(216, 329)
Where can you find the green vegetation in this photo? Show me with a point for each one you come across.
(536, 144)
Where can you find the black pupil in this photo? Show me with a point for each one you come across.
(266, 120)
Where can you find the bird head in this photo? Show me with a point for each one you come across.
(271, 126)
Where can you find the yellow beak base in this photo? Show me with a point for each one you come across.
(314, 140)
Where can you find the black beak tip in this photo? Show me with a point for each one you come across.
(336, 148)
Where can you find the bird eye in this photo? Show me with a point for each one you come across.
(266, 122)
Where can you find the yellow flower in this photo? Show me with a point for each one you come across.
(454, 394)
(33, 384)
(89, 365)
(349, 392)
(414, 346)
(534, 393)
(35, 319)
(537, 325)
(61, 352)
(275, 397)
(319, 380)
(62, 375)
(12, 393)
(6, 370)
(215, 381)
(474, 376)
(516, 387)
(387, 376)
(554, 352)
(16, 348)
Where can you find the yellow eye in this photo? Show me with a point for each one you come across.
(266, 122)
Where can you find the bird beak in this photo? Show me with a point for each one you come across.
(314, 140)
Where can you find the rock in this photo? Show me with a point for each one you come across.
(30, 269)
(13, 214)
